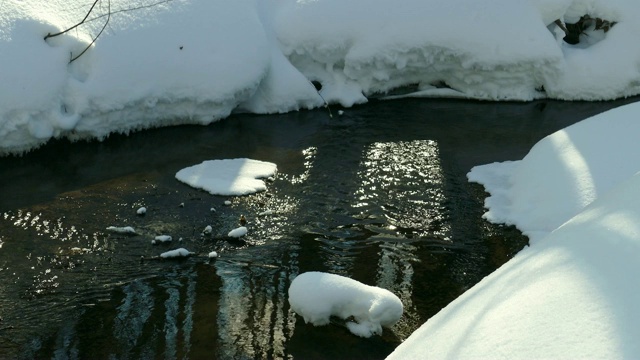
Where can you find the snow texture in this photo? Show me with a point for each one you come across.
(161, 239)
(317, 296)
(563, 173)
(238, 232)
(122, 229)
(228, 176)
(194, 61)
(574, 292)
(181, 252)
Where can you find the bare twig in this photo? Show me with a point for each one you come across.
(561, 26)
(97, 36)
(108, 15)
(326, 104)
(49, 35)
(130, 9)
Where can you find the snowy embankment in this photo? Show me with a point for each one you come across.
(172, 62)
(574, 292)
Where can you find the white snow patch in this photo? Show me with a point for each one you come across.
(317, 296)
(141, 211)
(213, 254)
(122, 229)
(207, 230)
(162, 239)
(238, 232)
(181, 252)
(228, 176)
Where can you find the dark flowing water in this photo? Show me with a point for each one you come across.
(378, 194)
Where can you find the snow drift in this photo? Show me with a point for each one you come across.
(573, 293)
(195, 61)
(563, 173)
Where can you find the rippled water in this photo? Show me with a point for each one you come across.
(378, 194)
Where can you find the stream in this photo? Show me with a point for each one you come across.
(378, 193)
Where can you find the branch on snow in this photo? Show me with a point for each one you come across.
(50, 35)
(107, 15)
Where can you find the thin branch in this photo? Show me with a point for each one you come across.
(130, 9)
(561, 26)
(97, 36)
(326, 104)
(74, 26)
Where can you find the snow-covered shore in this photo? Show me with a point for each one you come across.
(161, 63)
(573, 293)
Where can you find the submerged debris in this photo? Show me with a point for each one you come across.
(573, 31)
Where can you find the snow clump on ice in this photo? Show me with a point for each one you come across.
(161, 239)
(317, 296)
(181, 252)
(238, 232)
(228, 176)
(122, 229)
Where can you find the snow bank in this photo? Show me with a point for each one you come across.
(182, 61)
(195, 61)
(573, 293)
(470, 46)
(563, 173)
(317, 296)
(228, 176)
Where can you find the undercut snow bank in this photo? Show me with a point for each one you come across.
(317, 296)
(573, 293)
(178, 62)
(563, 173)
(228, 176)
(194, 61)
(473, 47)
